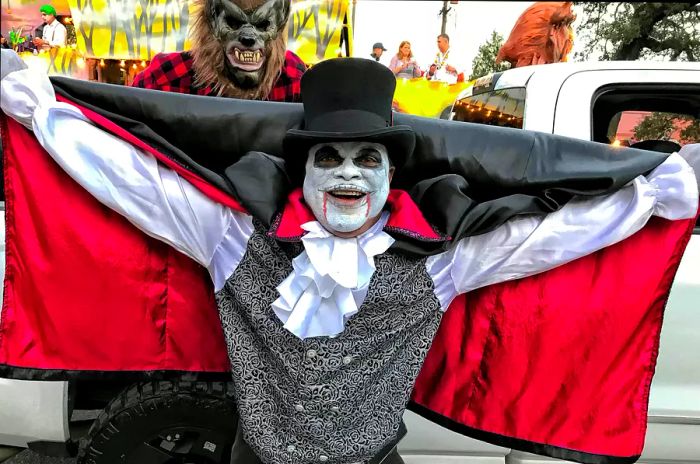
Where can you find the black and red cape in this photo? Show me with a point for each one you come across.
(521, 364)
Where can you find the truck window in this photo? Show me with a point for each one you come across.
(659, 117)
(633, 127)
(503, 107)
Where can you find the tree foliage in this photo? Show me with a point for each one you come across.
(485, 60)
(660, 126)
(691, 134)
(656, 126)
(632, 31)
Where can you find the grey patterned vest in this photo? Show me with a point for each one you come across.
(335, 400)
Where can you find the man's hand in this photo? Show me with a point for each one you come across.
(38, 42)
(451, 69)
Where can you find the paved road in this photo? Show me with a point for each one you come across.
(30, 457)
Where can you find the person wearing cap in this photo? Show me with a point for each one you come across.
(54, 33)
(377, 51)
(327, 321)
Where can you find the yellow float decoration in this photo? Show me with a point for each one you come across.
(426, 98)
(131, 29)
(139, 29)
(65, 61)
(128, 33)
(320, 30)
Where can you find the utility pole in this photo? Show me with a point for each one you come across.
(444, 12)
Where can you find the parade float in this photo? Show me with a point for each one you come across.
(113, 40)
(542, 34)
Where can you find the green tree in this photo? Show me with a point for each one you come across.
(485, 60)
(656, 126)
(660, 126)
(691, 134)
(632, 31)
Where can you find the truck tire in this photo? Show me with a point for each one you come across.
(164, 422)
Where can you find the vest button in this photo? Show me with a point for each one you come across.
(347, 360)
(291, 448)
(335, 409)
(311, 354)
(323, 458)
(299, 407)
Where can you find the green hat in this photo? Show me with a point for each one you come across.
(48, 9)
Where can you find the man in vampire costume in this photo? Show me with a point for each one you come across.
(239, 50)
(330, 289)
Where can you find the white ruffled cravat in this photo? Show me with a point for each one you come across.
(329, 281)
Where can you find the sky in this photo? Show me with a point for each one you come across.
(469, 25)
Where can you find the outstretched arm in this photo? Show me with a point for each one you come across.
(154, 198)
(529, 245)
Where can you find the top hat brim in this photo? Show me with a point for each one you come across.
(398, 140)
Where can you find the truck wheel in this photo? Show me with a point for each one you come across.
(164, 422)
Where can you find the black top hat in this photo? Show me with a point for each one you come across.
(348, 99)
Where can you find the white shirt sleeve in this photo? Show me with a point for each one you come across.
(529, 245)
(59, 36)
(130, 181)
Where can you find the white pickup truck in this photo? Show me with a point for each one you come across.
(598, 101)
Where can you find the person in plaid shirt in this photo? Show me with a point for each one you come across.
(239, 51)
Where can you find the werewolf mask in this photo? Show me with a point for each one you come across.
(239, 45)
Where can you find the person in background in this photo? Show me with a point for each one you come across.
(377, 50)
(3, 42)
(445, 70)
(54, 33)
(403, 65)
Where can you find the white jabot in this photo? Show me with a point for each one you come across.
(329, 280)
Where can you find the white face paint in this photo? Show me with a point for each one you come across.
(346, 183)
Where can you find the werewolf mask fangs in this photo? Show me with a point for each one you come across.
(245, 38)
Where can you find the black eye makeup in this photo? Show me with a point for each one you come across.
(368, 158)
(327, 157)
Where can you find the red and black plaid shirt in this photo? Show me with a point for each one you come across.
(173, 72)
